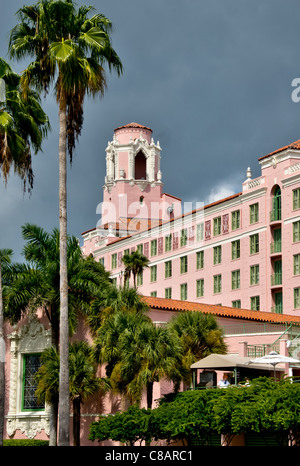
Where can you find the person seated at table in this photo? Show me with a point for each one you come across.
(224, 382)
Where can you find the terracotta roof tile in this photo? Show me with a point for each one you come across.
(294, 145)
(221, 311)
(134, 125)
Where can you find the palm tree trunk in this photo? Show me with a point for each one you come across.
(76, 422)
(64, 404)
(2, 363)
(53, 424)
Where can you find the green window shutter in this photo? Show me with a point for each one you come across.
(217, 284)
(296, 264)
(168, 243)
(183, 237)
(297, 298)
(200, 260)
(183, 264)
(168, 269)
(199, 232)
(236, 304)
(235, 249)
(235, 220)
(153, 273)
(235, 280)
(254, 215)
(183, 292)
(217, 255)
(200, 288)
(168, 293)
(217, 226)
(113, 261)
(296, 198)
(154, 247)
(296, 231)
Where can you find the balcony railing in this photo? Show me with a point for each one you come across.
(275, 247)
(275, 215)
(276, 279)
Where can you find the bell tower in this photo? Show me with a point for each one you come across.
(133, 196)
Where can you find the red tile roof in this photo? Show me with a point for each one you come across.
(294, 145)
(221, 311)
(133, 125)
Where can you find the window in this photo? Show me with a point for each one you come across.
(217, 283)
(153, 294)
(254, 244)
(296, 231)
(114, 261)
(154, 247)
(254, 213)
(200, 288)
(183, 237)
(200, 260)
(235, 220)
(296, 198)
(183, 291)
(168, 269)
(236, 303)
(235, 249)
(168, 293)
(297, 298)
(168, 243)
(126, 252)
(217, 226)
(217, 255)
(139, 248)
(183, 264)
(101, 261)
(140, 279)
(235, 280)
(276, 205)
(255, 303)
(199, 232)
(254, 275)
(32, 363)
(153, 273)
(296, 264)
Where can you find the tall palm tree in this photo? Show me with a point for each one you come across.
(110, 300)
(83, 380)
(5, 258)
(199, 335)
(70, 50)
(134, 264)
(23, 125)
(36, 284)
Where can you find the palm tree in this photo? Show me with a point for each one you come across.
(134, 264)
(83, 380)
(36, 284)
(199, 335)
(110, 300)
(5, 258)
(23, 125)
(69, 49)
(156, 353)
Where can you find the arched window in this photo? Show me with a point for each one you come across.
(276, 204)
(140, 166)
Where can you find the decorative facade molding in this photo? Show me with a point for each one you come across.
(30, 338)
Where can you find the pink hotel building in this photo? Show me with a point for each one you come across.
(241, 252)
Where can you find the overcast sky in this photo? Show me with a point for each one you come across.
(211, 78)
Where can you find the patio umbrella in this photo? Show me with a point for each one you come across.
(274, 358)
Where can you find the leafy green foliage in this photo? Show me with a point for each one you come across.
(128, 427)
(264, 407)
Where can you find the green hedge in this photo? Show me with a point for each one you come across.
(25, 443)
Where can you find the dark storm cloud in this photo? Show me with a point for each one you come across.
(213, 81)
